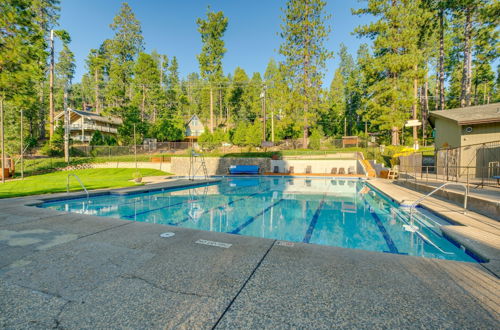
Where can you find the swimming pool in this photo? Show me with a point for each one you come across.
(337, 212)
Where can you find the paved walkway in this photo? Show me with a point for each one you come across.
(73, 271)
(487, 192)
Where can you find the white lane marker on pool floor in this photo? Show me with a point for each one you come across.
(167, 235)
(284, 243)
(212, 243)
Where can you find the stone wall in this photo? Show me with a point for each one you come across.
(166, 167)
(217, 165)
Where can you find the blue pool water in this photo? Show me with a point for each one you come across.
(337, 212)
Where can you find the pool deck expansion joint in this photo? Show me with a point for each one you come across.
(244, 285)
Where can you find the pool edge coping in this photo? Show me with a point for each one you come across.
(462, 240)
(35, 200)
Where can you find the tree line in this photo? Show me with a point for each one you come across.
(424, 55)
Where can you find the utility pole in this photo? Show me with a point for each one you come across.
(211, 109)
(135, 150)
(272, 126)
(96, 78)
(2, 139)
(414, 108)
(263, 96)
(22, 146)
(66, 124)
(51, 86)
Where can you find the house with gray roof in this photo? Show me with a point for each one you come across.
(83, 124)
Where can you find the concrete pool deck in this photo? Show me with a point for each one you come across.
(67, 270)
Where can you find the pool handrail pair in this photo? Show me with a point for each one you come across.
(79, 181)
(418, 201)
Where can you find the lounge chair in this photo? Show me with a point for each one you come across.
(334, 170)
(308, 169)
(276, 169)
(350, 170)
(291, 170)
(341, 170)
(393, 173)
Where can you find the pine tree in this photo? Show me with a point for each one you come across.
(347, 67)
(330, 119)
(147, 83)
(397, 55)
(46, 17)
(236, 96)
(123, 49)
(212, 30)
(278, 94)
(22, 58)
(304, 31)
(65, 72)
(174, 92)
(96, 63)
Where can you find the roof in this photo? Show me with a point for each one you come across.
(479, 114)
(193, 117)
(94, 116)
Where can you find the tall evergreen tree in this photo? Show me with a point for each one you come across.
(304, 31)
(397, 56)
(212, 30)
(46, 17)
(236, 96)
(124, 49)
(147, 84)
(330, 119)
(65, 72)
(22, 57)
(96, 63)
(278, 98)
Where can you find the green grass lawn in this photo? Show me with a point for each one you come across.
(56, 181)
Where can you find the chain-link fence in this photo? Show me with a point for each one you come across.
(152, 151)
(477, 165)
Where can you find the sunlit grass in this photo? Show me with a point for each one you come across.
(56, 181)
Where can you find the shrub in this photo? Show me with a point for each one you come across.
(315, 139)
(75, 152)
(213, 140)
(254, 135)
(97, 139)
(239, 135)
(51, 150)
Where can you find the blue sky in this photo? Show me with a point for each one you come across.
(169, 27)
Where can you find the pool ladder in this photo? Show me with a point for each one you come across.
(79, 181)
(193, 165)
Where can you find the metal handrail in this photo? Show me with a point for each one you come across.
(415, 204)
(79, 181)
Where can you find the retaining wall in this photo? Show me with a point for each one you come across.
(220, 165)
(217, 165)
(166, 167)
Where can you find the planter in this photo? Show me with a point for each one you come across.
(138, 180)
(161, 159)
